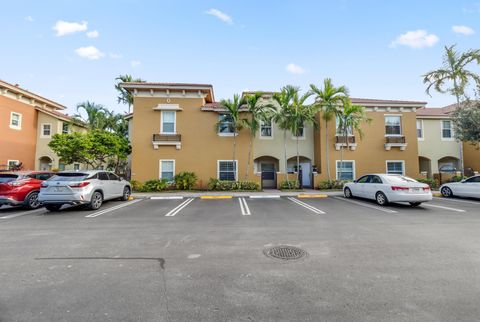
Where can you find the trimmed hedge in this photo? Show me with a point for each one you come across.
(185, 180)
(290, 185)
(432, 183)
(223, 185)
(332, 184)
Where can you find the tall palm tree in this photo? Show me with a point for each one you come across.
(252, 123)
(350, 120)
(95, 115)
(328, 99)
(235, 124)
(454, 72)
(301, 115)
(125, 96)
(280, 115)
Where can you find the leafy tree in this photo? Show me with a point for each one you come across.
(328, 100)
(466, 122)
(95, 115)
(125, 96)
(454, 72)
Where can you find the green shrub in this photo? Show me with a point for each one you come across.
(332, 184)
(156, 185)
(289, 184)
(185, 180)
(248, 185)
(136, 185)
(456, 178)
(223, 185)
(432, 183)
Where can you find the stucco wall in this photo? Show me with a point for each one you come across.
(471, 156)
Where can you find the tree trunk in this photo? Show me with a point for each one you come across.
(326, 151)
(234, 153)
(285, 155)
(249, 156)
(461, 143)
(298, 165)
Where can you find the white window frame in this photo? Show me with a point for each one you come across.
(420, 138)
(68, 127)
(160, 167)
(294, 137)
(42, 131)
(19, 126)
(76, 165)
(236, 168)
(397, 161)
(229, 134)
(336, 168)
(174, 122)
(8, 163)
(385, 124)
(451, 131)
(337, 123)
(271, 130)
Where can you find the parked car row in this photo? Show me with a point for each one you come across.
(33, 189)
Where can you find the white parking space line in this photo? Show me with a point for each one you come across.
(167, 198)
(305, 205)
(389, 211)
(457, 200)
(178, 208)
(244, 207)
(265, 197)
(101, 212)
(29, 212)
(442, 207)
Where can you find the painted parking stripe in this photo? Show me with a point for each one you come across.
(29, 212)
(265, 197)
(442, 207)
(305, 205)
(244, 207)
(101, 212)
(457, 200)
(389, 211)
(178, 208)
(167, 198)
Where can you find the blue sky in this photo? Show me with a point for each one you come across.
(71, 51)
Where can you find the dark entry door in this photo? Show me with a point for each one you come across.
(269, 175)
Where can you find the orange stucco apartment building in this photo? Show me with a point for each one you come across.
(172, 129)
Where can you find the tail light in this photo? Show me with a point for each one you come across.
(79, 184)
(426, 188)
(17, 183)
(396, 188)
(44, 185)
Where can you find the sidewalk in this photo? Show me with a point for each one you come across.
(265, 193)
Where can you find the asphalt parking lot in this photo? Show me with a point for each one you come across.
(203, 260)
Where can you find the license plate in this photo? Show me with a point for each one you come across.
(415, 189)
(58, 189)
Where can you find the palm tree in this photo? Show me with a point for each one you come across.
(125, 96)
(235, 124)
(454, 71)
(257, 113)
(301, 115)
(328, 99)
(96, 118)
(349, 120)
(280, 115)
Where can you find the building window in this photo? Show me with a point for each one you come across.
(396, 167)
(420, 129)
(393, 125)
(61, 166)
(46, 130)
(447, 130)
(65, 128)
(168, 122)
(227, 170)
(15, 121)
(300, 132)
(12, 163)
(339, 131)
(76, 166)
(345, 170)
(225, 124)
(266, 129)
(167, 169)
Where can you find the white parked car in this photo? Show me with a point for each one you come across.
(385, 188)
(469, 187)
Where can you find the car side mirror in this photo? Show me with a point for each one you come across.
(355, 181)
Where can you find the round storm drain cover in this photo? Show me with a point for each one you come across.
(285, 252)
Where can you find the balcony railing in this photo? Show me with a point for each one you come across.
(341, 141)
(395, 141)
(167, 139)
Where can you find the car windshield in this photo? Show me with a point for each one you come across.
(69, 176)
(400, 179)
(6, 177)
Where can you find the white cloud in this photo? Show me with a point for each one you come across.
(93, 34)
(220, 15)
(464, 30)
(89, 52)
(135, 63)
(64, 27)
(295, 69)
(115, 56)
(29, 19)
(415, 39)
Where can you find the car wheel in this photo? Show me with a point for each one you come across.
(31, 202)
(53, 207)
(126, 194)
(96, 201)
(415, 204)
(381, 199)
(348, 193)
(446, 192)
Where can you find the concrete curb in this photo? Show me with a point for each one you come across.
(253, 195)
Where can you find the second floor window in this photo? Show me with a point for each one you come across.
(225, 124)
(340, 131)
(168, 122)
(300, 132)
(266, 128)
(65, 128)
(393, 125)
(420, 129)
(447, 131)
(15, 120)
(46, 130)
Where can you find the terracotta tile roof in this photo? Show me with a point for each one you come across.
(168, 84)
(356, 100)
(24, 92)
(61, 116)
(216, 107)
(437, 111)
(188, 87)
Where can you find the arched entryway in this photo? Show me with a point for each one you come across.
(305, 171)
(268, 167)
(45, 163)
(448, 165)
(425, 166)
